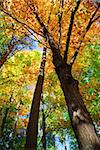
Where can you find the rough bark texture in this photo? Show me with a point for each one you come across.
(32, 129)
(80, 118)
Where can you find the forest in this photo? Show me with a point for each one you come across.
(49, 75)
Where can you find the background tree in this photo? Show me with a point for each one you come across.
(17, 77)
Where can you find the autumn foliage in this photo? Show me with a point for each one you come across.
(65, 29)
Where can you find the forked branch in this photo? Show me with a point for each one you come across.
(91, 21)
(54, 47)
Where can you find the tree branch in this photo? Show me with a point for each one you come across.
(91, 21)
(11, 46)
(70, 29)
(44, 27)
(60, 21)
(96, 19)
(49, 17)
(30, 30)
(57, 58)
(24, 24)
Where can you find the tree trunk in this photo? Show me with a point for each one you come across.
(32, 129)
(5, 117)
(4, 121)
(1, 122)
(81, 121)
(44, 127)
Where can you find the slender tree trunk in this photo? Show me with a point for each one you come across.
(5, 117)
(80, 118)
(32, 129)
(4, 121)
(65, 147)
(1, 121)
(44, 128)
(17, 117)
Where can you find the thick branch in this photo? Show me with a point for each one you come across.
(57, 58)
(54, 47)
(70, 29)
(91, 21)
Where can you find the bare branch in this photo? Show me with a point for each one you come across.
(70, 29)
(91, 21)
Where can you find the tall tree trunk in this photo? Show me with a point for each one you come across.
(44, 128)
(32, 129)
(80, 118)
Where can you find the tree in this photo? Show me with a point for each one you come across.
(9, 38)
(44, 127)
(52, 23)
(32, 129)
(16, 77)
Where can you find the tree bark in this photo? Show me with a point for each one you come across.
(81, 121)
(32, 129)
(44, 128)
